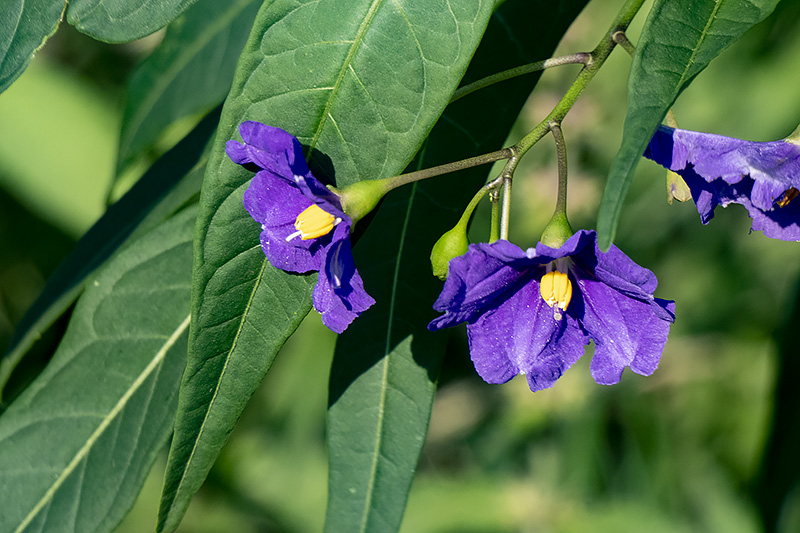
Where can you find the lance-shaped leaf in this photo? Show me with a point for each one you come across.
(189, 73)
(78, 443)
(386, 364)
(360, 82)
(120, 21)
(679, 39)
(169, 184)
(24, 27)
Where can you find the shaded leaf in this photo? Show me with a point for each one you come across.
(386, 364)
(78, 443)
(361, 83)
(679, 39)
(189, 73)
(171, 182)
(120, 21)
(24, 27)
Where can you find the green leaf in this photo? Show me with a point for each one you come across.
(386, 364)
(24, 27)
(171, 182)
(78, 443)
(679, 39)
(361, 82)
(120, 21)
(189, 73)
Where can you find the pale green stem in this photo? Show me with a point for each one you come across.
(598, 57)
(494, 228)
(571, 59)
(561, 151)
(403, 179)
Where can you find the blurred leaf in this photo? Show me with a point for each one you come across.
(189, 73)
(361, 82)
(24, 27)
(120, 21)
(169, 184)
(78, 443)
(679, 39)
(58, 143)
(386, 364)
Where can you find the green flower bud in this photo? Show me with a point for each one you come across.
(452, 244)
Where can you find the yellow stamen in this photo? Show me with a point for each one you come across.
(313, 222)
(556, 289)
(788, 196)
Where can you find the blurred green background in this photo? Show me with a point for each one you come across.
(691, 448)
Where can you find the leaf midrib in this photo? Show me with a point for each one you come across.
(703, 34)
(359, 38)
(204, 424)
(112, 414)
(385, 377)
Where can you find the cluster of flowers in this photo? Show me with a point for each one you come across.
(531, 311)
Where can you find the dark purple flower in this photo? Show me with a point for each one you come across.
(762, 176)
(303, 225)
(532, 311)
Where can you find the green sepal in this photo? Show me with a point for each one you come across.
(557, 231)
(360, 198)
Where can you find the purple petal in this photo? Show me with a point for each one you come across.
(722, 170)
(626, 331)
(339, 295)
(476, 279)
(313, 189)
(269, 148)
(779, 223)
(275, 203)
(618, 271)
(521, 335)
(717, 156)
(579, 241)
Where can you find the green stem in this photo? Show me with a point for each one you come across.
(506, 177)
(494, 228)
(571, 59)
(403, 179)
(598, 57)
(464, 220)
(621, 39)
(561, 151)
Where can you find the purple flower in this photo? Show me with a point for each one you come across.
(303, 225)
(532, 311)
(762, 176)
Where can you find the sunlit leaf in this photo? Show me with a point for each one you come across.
(387, 364)
(120, 21)
(679, 39)
(189, 73)
(78, 443)
(24, 27)
(360, 82)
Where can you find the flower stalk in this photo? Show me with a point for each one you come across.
(581, 58)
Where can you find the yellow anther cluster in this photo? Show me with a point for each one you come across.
(788, 196)
(314, 222)
(556, 289)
